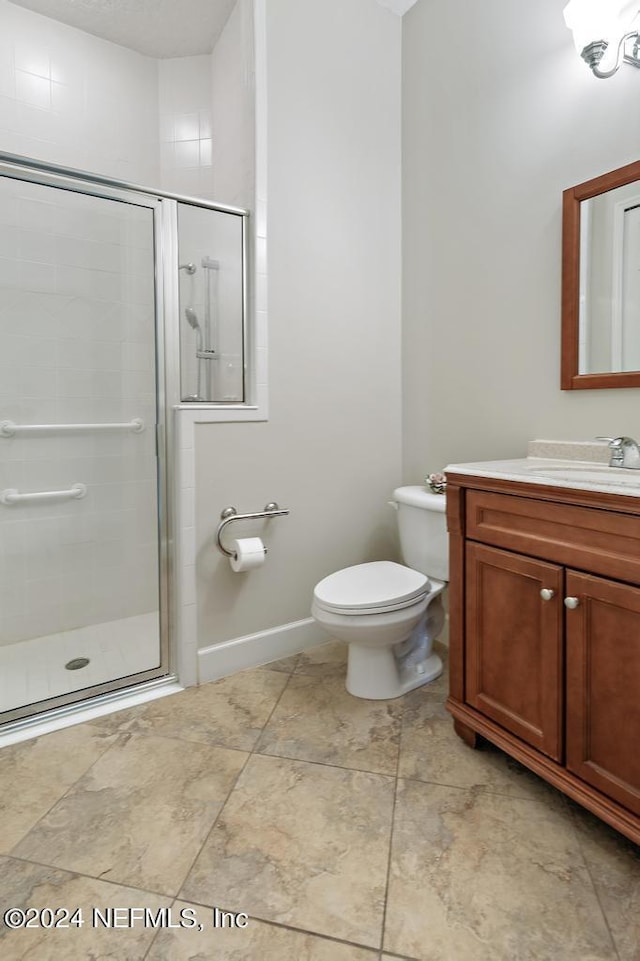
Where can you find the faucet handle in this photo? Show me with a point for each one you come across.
(617, 442)
(616, 445)
(625, 452)
(617, 453)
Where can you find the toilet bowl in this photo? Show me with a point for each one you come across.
(389, 613)
(376, 608)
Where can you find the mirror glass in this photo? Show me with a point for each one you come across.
(610, 281)
(601, 282)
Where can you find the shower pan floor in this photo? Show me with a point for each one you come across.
(35, 670)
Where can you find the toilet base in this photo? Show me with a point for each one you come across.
(373, 674)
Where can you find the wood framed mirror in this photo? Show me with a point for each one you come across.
(601, 282)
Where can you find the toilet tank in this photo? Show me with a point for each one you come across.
(422, 523)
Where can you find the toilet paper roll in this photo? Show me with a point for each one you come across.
(249, 553)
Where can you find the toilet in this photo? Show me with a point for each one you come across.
(389, 614)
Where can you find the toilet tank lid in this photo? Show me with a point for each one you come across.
(376, 584)
(420, 497)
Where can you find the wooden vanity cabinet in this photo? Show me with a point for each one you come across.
(603, 687)
(518, 685)
(555, 685)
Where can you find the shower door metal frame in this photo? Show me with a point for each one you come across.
(32, 169)
(19, 168)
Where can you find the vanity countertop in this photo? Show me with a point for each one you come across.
(555, 472)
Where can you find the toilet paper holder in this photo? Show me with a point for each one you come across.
(230, 514)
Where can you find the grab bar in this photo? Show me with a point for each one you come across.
(9, 429)
(230, 514)
(12, 496)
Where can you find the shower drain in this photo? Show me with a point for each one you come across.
(77, 663)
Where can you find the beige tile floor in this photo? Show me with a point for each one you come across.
(346, 830)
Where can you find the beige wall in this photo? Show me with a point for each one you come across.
(331, 450)
(499, 116)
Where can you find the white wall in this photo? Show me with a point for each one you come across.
(68, 98)
(186, 144)
(233, 109)
(331, 449)
(495, 127)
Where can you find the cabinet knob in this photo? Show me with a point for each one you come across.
(571, 602)
(547, 594)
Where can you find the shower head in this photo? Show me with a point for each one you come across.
(192, 318)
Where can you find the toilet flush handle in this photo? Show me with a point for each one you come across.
(393, 504)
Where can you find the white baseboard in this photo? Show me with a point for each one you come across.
(253, 650)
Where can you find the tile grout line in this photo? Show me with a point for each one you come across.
(380, 951)
(175, 898)
(576, 834)
(398, 957)
(163, 736)
(393, 820)
(293, 928)
(116, 738)
(178, 896)
(480, 791)
(271, 713)
(249, 755)
(89, 877)
(255, 753)
(123, 736)
(337, 767)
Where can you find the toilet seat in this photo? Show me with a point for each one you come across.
(376, 588)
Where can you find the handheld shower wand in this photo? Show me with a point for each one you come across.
(194, 323)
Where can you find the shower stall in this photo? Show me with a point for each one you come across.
(102, 335)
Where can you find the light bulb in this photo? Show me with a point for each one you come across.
(592, 20)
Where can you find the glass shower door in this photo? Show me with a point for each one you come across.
(80, 538)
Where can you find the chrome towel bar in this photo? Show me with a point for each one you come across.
(230, 514)
(12, 496)
(9, 429)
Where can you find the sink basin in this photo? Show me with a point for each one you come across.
(590, 474)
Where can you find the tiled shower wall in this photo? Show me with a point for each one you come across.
(77, 346)
(186, 155)
(69, 98)
(207, 117)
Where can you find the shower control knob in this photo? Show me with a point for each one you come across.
(571, 603)
(547, 594)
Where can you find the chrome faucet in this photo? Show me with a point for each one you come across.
(625, 452)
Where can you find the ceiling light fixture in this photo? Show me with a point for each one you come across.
(601, 25)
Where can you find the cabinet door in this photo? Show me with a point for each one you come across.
(513, 671)
(603, 686)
